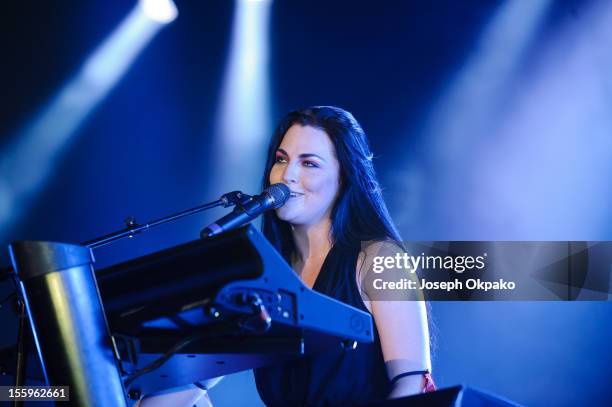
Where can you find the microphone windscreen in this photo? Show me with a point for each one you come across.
(279, 194)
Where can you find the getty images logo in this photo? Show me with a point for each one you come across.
(458, 264)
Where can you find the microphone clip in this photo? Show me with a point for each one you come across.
(236, 198)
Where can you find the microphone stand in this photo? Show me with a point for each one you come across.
(131, 229)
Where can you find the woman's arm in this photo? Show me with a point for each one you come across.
(404, 338)
(401, 321)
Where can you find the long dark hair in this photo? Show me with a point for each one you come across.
(359, 213)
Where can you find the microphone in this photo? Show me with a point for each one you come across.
(272, 197)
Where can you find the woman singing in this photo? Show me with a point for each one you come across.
(321, 153)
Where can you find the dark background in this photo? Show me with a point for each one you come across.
(533, 167)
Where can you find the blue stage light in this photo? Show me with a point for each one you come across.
(29, 161)
(243, 121)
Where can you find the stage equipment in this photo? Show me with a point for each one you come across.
(457, 396)
(182, 315)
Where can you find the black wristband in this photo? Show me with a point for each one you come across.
(401, 375)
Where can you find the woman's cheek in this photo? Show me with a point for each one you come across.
(274, 175)
(312, 184)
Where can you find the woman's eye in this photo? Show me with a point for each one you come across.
(311, 164)
(280, 159)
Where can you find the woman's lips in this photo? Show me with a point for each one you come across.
(293, 194)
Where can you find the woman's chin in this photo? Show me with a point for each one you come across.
(290, 216)
(284, 214)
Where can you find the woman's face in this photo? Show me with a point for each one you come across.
(306, 162)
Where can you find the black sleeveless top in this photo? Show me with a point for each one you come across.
(337, 377)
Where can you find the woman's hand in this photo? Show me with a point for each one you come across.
(185, 397)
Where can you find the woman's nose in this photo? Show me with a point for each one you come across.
(291, 174)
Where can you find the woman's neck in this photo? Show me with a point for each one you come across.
(312, 241)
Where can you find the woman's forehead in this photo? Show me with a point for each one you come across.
(307, 139)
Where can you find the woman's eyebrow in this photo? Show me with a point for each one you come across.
(304, 155)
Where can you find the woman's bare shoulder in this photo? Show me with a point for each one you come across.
(381, 247)
(372, 249)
